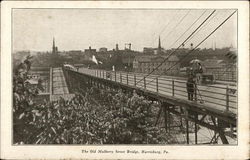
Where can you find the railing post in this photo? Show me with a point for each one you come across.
(135, 79)
(115, 76)
(103, 75)
(195, 91)
(121, 77)
(157, 89)
(127, 78)
(227, 98)
(144, 79)
(187, 130)
(100, 74)
(172, 87)
(196, 128)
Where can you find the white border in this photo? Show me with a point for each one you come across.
(175, 152)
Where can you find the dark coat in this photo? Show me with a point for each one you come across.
(190, 85)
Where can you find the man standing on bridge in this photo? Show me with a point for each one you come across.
(190, 87)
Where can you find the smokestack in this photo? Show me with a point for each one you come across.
(116, 47)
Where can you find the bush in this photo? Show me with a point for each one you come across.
(93, 116)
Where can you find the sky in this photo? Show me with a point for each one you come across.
(77, 29)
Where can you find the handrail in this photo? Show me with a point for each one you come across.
(171, 86)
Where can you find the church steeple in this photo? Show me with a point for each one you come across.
(54, 42)
(54, 48)
(159, 45)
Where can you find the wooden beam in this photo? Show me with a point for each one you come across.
(158, 115)
(209, 126)
(195, 128)
(165, 118)
(187, 128)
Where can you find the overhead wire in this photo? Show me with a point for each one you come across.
(226, 69)
(198, 44)
(177, 25)
(204, 25)
(199, 93)
(188, 28)
(169, 23)
(178, 47)
(165, 26)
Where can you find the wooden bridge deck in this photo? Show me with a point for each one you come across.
(59, 88)
(219, 116)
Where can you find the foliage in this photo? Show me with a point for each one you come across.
(23, 95)
(93, 116)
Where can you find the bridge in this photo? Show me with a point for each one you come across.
(58, 87)
(214, 106)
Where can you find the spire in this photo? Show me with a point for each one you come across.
(54, 50)
(53, 43)
(159, 44)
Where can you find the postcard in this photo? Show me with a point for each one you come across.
(124, 80)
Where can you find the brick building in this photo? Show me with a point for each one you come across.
(146, 64)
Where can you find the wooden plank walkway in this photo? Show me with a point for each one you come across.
(59, 88)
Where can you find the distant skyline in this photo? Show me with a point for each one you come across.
(77, 29)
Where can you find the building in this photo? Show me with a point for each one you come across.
(158, 50)
(221, 69)
(40, 73)
(116, 47)
(54, 47)
(90, 50)
(103, 49)
(148, 50)
(147, 64)
(76, 52)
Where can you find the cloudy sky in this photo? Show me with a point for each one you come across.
(77, 29)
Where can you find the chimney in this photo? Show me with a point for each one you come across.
(116, 47)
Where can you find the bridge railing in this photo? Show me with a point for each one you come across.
(221, 97)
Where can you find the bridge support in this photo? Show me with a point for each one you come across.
(189, 113)
(158, 115)
(165, 118)
(195, 128)
(187, 127)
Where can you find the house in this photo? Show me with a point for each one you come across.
(222, 70)
(167, 64)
